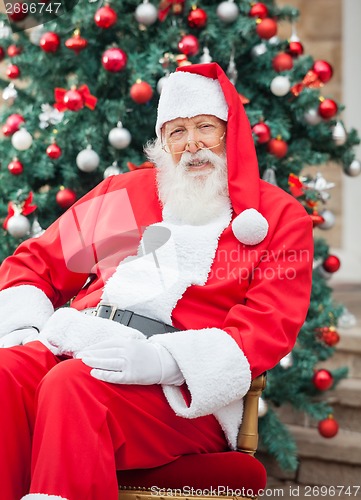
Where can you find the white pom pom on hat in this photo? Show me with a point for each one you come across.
(250, 227)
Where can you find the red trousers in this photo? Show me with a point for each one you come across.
(63, 432)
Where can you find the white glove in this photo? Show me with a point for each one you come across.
(19, 337)
(131, 361)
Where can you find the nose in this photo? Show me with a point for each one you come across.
(193, 146)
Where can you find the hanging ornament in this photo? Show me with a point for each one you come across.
(53, 150)
(13, 50)
(262, 407)
(119, 137)
(74, 99)
(327, 108)
(13, 71)
(328, 335)
(228, 11)
(322, 379)
(295, 48)
(269, 176)
(18, 226)
(328, 427)
(347, 319)
(141, 92)
(15, 167)
(65, 197)
(10, 94)
(18, 12)
(262, 132)
(206, 56)
(280, 86)
(287, 361)
(189, 45)
(328, 219)
(105, 17)
(331, 264)
(36, 230)
(266, 28)
(282, 62)
(258, 50)
(112, 170)
(146, 14)
(50, 42)
(12, 124)
(87, 160)
(320, 186)
(232, 72)
(258, 10)
(174, 6)
(76, 42)
(49, 116)
(354, 169)
(5, 31)
(21, 140)
(316, 218)
(278, 147)
(161, 82)
(16, 223)
(182, 60)
(197, 18)
(339, 134)
(312, 117)
(114, 59)
(323, 70)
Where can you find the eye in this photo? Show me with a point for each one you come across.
(176, 132)
(206, 126)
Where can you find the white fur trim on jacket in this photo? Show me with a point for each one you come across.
(250, 227)
(217, 374)
(40, 496)
(70, 331)
(22, 306)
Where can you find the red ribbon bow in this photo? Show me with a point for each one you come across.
(26, 209)
(165, 6)
(296, 186)
(310, 80)
(88, 100)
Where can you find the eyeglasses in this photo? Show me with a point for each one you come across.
(179, 137)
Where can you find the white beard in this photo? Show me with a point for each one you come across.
(188, 196)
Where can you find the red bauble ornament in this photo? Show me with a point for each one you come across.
(141, 92)
(282, 62)
(259, 10)
(114, 59)
(15, 167)
(53, 151)
(278, 147)
(267, 28)
(328, 427)
(105, 17)
(76, 43)
(73, 100)
(65, 197)
(331, 264)
(327, 109)
(13, 50)
(189, 45)
(49, 42)
(19, 12)
(322, 379)
(13, 71)
(197, 18)
(316, 218)
(262, 131)
(12, 124)
(323, 70)
(329, 335)
(295, 49)
(2, 53)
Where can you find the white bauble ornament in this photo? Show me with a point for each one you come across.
(87, 160)
(18, 226)
(329, 219)
(280, 86)
(161, 83)
(119, 137)
(339, 134)
(258, 50)
(353, 169)
(112, 170)
(312, 117)
(287, 361)
(262, 407)
(250, 227)
(21, 140)
(146, 13)
(228, 11)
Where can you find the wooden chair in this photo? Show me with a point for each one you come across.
(223, 475)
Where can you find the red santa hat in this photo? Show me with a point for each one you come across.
(205, 89)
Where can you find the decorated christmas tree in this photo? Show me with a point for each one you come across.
(81, 91)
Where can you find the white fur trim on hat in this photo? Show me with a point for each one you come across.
(185, 95)
(42, 496)
(250, 227)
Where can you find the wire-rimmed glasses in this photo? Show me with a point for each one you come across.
(177, 139)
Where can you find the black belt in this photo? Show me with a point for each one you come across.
(148, 326)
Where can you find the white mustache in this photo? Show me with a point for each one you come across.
(205, 155)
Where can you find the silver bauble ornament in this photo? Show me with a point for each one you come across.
(87, 160)
(339, 134)
(21, 140)
(262, 407)
(228, 11)
(280, 86)
(146, 13)
(18, 226)
(312, 117)
(329, 218)
(119, 137)
(112, 170)
(354, 169)
(259, 50)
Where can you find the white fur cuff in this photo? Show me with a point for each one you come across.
(22, 306)
(39, 496)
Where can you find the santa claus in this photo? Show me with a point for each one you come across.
(185, 281)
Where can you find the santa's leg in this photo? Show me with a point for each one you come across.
(21, 369)
(86, 429)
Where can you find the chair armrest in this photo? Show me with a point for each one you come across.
(247, 441)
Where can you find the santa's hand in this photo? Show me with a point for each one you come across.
(131, 361)
(19, 337)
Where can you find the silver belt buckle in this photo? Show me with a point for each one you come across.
(113, 309)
